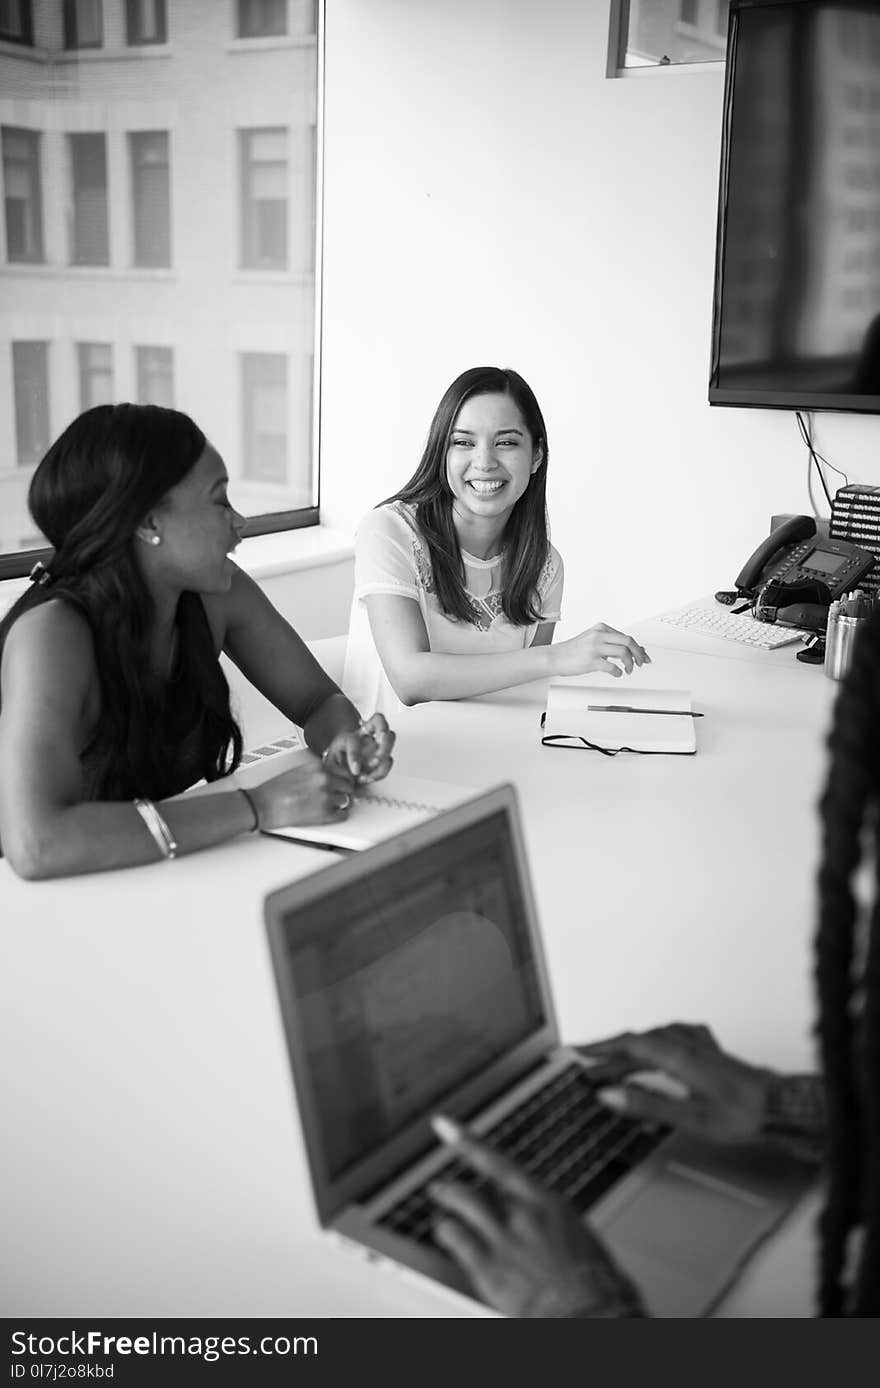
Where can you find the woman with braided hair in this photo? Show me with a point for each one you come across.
(526, 1252)
(112, 696)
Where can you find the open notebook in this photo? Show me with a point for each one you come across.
(619, 720)
(381, 809)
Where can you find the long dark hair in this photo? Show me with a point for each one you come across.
(92, 489)
(847, 970)
(525, 537)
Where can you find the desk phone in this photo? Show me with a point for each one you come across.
(793, 576)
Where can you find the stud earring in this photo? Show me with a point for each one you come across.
(155, 539)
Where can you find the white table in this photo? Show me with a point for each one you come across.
(153, 1163)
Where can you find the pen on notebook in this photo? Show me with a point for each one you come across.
(627, 708)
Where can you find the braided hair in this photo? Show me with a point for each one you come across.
(847, 975)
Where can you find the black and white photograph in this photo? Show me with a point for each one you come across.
(439, 673)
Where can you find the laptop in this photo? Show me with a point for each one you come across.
(412, 980)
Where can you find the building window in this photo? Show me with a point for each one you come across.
(261, 18)
(30, 386)
(21, 194)
(90, 232)
(145, 22)
(128, 236)
(264, 180)
(83, 24)
(154, 369)
(264, 411)
(151, 197)
(95, 374)
(16, 21)
(648, 33)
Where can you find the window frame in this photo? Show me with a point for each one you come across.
(72, 42)
(74, 139)
(35, 179)
(45, 346)
(248, 168)
(240, 6)
(26, 38)
(131, 25)
(618, 42)
(142, 372)
(87, 371)
(249, 384)
(136, 165)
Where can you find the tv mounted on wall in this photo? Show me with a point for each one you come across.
(796, 315)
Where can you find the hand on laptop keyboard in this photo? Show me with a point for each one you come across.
(715, 1095)
(525, 1250)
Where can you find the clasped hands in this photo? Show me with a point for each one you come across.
(524, 1249)
(357, 757)
(320, 790)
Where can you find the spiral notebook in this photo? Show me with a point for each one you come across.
(380, 810)
(600, 719)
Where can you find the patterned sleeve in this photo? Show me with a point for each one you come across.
(550, 585)
(384, 555)
(794, 1114)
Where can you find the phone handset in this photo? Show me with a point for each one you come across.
(789, 533)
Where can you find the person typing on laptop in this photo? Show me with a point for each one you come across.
(525, 1251)
(528, 1254)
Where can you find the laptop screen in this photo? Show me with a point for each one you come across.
(409, 982)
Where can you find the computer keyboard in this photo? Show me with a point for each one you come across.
(561, 1135)
(710, 621)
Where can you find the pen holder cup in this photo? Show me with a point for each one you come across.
(839, 641)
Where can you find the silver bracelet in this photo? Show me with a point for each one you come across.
(161, 834)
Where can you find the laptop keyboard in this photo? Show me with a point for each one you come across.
(570, 1143)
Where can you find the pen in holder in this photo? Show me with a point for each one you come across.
(845, 617)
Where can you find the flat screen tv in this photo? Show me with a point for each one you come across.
(796, 316)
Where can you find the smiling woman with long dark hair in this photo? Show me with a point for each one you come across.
(457, 586)
(111, 692)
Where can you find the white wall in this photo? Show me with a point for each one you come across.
(490, 197)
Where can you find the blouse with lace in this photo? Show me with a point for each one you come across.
(392, 557)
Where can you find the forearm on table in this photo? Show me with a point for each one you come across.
(424, 675)
(335, 714)
(102, 835)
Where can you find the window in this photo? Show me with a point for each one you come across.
(83, 24)
(662, 33)
(154, 369)
(95, 374)
(90, 232)
(259, 18)
(151, 197)
(158, 257)
(16, 22)
(264, 411)
(145, 22)
(30, 386)
(263, 161)
(21, 183)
